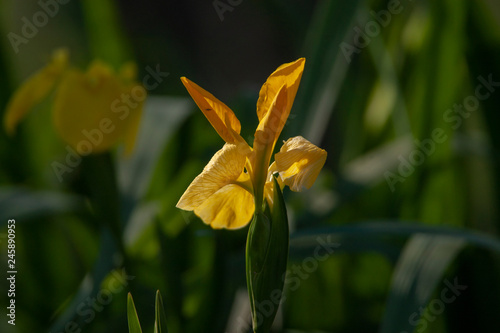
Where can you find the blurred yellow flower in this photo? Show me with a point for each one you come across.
(91, 111)
(233, 185)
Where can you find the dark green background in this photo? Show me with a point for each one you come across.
(398, 250)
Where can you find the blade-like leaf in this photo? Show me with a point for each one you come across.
(160, 317)
(133, 320)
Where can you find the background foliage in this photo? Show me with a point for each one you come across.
(400, 243)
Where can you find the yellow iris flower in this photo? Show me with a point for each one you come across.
(237, 181)
(91, 110)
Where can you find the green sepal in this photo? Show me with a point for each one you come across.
(266, 261)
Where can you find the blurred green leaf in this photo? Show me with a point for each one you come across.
(441, 57)
(418, 271)
(382, 237)
(105, 32)
(99, 185)
(91, 284)
(161, 118)
(25, 204)
(325, 68)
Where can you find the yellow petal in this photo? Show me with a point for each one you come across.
(34, 90)
(288, 74)
(231, 207)
(225, 167)
(94, 110)
(299, 163)
(218, 114)
(272, 124)
(266, 135)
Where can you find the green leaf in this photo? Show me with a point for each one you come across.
(326, 67)
(419, 265)
(381, 237)
(24, 204)
(162, 116)
(98, 177)
(133, 320)
(418, 272)
(266, 261)
(160, 317)
(105, 33)
(91, 283)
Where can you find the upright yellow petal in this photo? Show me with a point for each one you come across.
(272, 124)
(288, 74)
(224, 168)
(218, 114)
(94, 110)
(34, 90)
(266, 135)
(299, 163)
(231, 207)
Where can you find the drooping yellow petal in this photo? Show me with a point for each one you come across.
(34, 90)
(266, 135)
(225, 167)
(94, 110)
(231, 207)
(218, 114)
(288, 74)
(299, 163)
